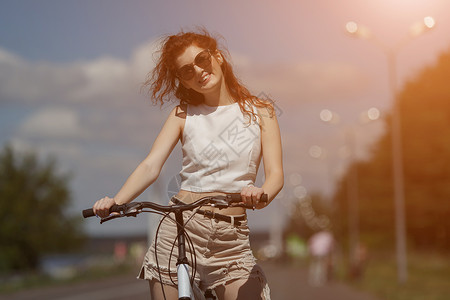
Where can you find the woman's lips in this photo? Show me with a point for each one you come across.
(205, 78)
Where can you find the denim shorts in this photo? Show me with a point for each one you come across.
(222, 252)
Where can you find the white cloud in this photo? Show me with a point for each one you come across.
(142, 60)
(53, 123)
(9, 58)
(105, 80)
(23, 81)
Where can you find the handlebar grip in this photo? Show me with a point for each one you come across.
(237, 198)
(87, 213)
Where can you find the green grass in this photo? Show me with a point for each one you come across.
(428, 278)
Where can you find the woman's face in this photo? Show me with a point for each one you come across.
(200, 74)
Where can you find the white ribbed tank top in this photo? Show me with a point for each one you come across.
(221, 149)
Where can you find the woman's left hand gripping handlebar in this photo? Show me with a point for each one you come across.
(101, 207)
(251, 196)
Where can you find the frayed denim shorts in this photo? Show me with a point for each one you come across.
(222, 252)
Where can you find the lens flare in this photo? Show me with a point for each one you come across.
(420, 27)
(351, 27)
(326, 115)
(357, 30)
(295, 179)
(429, 22)
(373, 114)
(329, 116)
(300, 192)
(315, 151)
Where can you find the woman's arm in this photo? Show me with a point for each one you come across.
(272, 159)
(148, 170)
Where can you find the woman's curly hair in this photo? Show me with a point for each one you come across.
(162, 83)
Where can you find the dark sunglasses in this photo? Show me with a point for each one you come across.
(202, 60)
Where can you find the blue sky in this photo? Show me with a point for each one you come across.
(70, 74)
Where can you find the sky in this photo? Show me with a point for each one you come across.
(70, 75)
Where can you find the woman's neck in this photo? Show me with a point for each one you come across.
(219, 97)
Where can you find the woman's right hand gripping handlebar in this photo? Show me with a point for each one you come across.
(101, 207)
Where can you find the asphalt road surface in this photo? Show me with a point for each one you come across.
(286, 282)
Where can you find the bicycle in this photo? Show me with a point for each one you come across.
(185, 282)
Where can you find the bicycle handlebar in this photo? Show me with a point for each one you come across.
(219, 201)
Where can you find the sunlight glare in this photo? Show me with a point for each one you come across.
(357, 30)
(300, 192)
(316, 151)
(420, 27)
(326, 115)
(429, 22)
(351, 27)
(295, 179)
(373, 113)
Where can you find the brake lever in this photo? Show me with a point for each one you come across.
(132, 210)
(227, 201)
(220, 202)
(110, 217)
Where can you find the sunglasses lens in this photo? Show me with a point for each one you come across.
(203, 60)
(186, 72)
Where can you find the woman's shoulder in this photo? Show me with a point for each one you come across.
(177, 116)
(262, 107)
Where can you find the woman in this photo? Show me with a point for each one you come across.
(224, 131)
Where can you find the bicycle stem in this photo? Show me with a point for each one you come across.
(181, 239)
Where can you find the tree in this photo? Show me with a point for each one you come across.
(33, 199)
(425, 121)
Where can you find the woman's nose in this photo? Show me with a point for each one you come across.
(198, 69)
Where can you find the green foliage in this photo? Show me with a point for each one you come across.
(425, 121)
(33, 199)
(426, 138)
(427, 278)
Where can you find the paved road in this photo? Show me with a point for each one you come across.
(291, 283)
(286, 282)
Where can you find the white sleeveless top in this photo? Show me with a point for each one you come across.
(221, 149)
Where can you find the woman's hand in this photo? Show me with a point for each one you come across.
(251, 195)
(102, 206)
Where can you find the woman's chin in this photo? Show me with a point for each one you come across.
(210, 85)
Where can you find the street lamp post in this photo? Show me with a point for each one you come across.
(397, 155)
(397, 169)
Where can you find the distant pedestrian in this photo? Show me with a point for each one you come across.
(120, 251)
(320, 247)
(358, 266)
